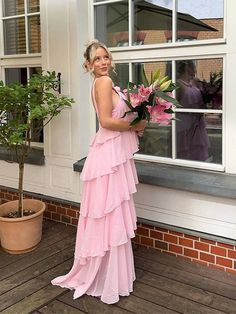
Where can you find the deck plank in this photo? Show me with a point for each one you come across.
(52, 233)
(171, 301)
(186, 265)
(132, 304)
(37, 257)
(191, 279)
(91, 305)
(57, 307)
(18, 297)
(197, 295)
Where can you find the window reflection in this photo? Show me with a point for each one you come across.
(202, 19)
(199, 135)
(153, 21)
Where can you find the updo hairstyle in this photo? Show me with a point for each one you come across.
(90, 53)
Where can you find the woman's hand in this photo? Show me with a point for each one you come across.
(139, 127)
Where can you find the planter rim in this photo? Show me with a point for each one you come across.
(6, 219)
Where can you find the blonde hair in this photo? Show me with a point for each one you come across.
(90, 53)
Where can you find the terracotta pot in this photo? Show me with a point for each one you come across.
(21, 235)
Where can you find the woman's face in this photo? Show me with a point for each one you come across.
(101, 63)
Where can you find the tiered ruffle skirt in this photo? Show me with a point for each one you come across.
(103, 265)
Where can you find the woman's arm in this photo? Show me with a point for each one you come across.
(103, 98)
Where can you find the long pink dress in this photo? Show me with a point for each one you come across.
(103, 265)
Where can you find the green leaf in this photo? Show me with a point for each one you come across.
(135, 121)
(144, 78)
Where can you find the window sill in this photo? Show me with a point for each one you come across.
(35, 157)
(182, 178)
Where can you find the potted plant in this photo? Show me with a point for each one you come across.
(21, 109)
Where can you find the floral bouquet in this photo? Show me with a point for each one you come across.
(152, 100)
(212, 90)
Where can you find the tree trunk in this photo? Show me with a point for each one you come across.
(20, 190)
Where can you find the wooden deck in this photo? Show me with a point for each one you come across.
(164, 284)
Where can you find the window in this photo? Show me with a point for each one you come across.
(135, 22)
(157, 34)
(21, 27)
(21, 46)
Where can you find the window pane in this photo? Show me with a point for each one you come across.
(16, 75)
(199, 137)
(152, 22)
(14, 36)
(157, 140)
(34, 34)
(37, 125)
(200, 83)
(111, 23)
(120, 76)
(202, 19)
(13, 7)
(33, 6)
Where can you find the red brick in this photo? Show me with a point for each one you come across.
(207, 241)
(191, 237)
(201, 262)
(217, 267)
(76, 208)
(143, 231)
(146, 241)
(207, 257)
(201, 246)
(176, 248)
(47, 214)
(161, 229)
(170, 238)
(61, 210)
(232, 254)
(56, 216)
(156, 235)
(74, 221)
(232, 271)
(147, 226)
(66, 219)
(176, 233)
(161, 245)
(9, 196)
(136, 239)
(71, 213)
(190, 253)
(52, 208)
(218, 251)
(2, 195)
(227, 246)
(186, 242)
(224, 261)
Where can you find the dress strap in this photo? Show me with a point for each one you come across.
(93, 96)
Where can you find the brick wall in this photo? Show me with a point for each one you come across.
(211, 253)
(201, 250)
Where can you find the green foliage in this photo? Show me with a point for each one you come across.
(21, 107)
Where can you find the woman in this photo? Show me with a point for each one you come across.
(192, 137)
(103, 265)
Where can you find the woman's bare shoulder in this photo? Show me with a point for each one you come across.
(103, 81)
